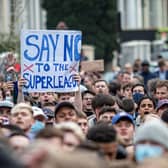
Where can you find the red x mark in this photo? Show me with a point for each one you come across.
(28, 68)
(73, 68)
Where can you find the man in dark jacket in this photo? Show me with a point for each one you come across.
(146, 74)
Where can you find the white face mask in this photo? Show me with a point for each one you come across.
(8, 98)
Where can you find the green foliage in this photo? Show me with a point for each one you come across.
(95, 18)
(9, 43)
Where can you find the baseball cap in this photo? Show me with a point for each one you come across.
(122, 115)
(64, 104)
(38, 112)
(48, 112)
(161, 103)
(6, 103)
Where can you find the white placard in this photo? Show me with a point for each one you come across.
(49, 59)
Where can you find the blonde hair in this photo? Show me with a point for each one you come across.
(71, 127)
(21, 106)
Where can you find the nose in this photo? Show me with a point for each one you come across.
(67, 117)
(123, 128)
(19, 116)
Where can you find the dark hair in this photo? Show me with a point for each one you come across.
(164, 116)
(107, 110)
(139, 84)
(87, 92)
(128, 85)
(3, 92)
(102, 133)
(127, 105)
(114, 86)
(18, 134)
(29, 99)
(146, 97)
(101, 100)
(49, 104)
(100, 80)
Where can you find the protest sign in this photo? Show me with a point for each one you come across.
(92, 66)
(49, 59)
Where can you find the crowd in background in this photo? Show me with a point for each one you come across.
(115, 122)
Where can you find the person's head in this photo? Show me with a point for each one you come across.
(49, 105)
(62, 26)
(5, 110)
(138, 91)
(151, 140)
(18, 141)
(51, 135)
(115, 88)
(87, 97)
(161, 91)
(124, 125)
(151, 86)
(50, 116)
(22, 116)
(128, 68)
(106, 114)
(88, 81)
(145, 66)
(127, 90)
(164, 116)
(72, 135)
(34, 95)
(46, 97)
(8, 95)
(137, 65)
(100, 101)
(126, 78)
(101, 86)
(38, 114)
(65, 111)
(161, 106)
(65, 96)
(106, 137)
(146, 106)
(162, 65)
(137, 79)
(128, 105)
(83, 122)
(138, 88)
(40, 154)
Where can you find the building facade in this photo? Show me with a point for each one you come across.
(143, 14)
(22, 14)
(144, 29)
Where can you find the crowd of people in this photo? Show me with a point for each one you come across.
(119, 123)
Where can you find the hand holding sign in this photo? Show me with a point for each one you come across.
(77, 78)
(21, 83)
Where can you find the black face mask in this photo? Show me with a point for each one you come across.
(137, 97)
